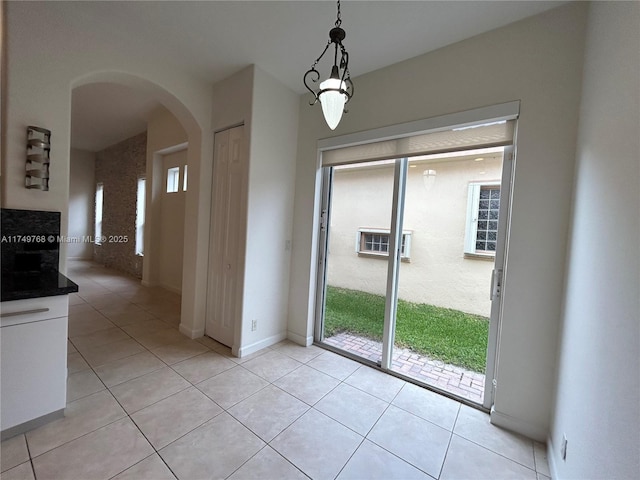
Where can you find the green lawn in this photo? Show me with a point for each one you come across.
(452, 336)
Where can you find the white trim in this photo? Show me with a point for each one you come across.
(501, 112)
(300, 339)
(493, 113)
(517, 425)
(551, 458)
(31, 425)
(192, 333)
(185, 174)
(393, 265)
(259, 345)
(319, 244)
(172, 149)
(170, 288)
(500, 268)
(471, 228)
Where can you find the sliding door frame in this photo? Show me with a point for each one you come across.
(497, 276)
(393, 264)
(495, 113)
(323, 247)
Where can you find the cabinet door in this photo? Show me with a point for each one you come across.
(34, 369)
(227, 239)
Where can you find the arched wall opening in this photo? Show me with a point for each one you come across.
(196, 210)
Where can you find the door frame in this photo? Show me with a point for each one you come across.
(506, 111)
(224, 267)
(323, 246)
(498, 274)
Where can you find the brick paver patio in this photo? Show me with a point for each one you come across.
(456, 380)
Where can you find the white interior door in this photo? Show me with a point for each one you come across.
(226, 252)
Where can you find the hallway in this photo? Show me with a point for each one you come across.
(145, 402)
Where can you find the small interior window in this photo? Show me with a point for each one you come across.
(173, 179)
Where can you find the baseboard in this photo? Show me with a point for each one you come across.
(551, 459)
(145, 283)
(31, 424)
(254, 347)
(518, 426)
(171, 289)
(191, 332)
(299, 339)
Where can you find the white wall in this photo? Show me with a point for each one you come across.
(272, 164)
(39, 93)
(82, 192)
(269, 111)
(231, 106)
(598, 393)
(539, 62)
(172, 225)
(164, 133)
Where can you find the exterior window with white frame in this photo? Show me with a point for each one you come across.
(140, 206)
(376, 242)
(483, 207)
(98, 214)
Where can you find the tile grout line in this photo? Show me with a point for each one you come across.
(496, 453)
(446, 452)
(313, 407)
(365, 437)
(106, 388)
(310, 407)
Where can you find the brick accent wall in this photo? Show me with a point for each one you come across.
(118, 168)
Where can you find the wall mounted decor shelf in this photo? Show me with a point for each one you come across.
(38, 159)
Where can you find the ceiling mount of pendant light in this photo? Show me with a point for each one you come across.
(337, 90)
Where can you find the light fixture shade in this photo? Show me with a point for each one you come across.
(333, 101)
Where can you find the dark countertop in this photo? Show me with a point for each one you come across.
(18, 286)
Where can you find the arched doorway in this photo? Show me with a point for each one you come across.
(196, 209)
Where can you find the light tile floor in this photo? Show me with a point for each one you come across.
(147, 403)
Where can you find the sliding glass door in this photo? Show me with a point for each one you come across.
(451, 212)
(357, 224)
(411, 265)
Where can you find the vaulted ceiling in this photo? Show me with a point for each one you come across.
(213, 39)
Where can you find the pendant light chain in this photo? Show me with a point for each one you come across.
(339, 19)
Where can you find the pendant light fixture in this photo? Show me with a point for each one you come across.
(337, 90)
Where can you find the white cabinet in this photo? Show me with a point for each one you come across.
(33, 364)
(228, 220)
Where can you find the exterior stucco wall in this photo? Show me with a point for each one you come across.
(438, 272)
